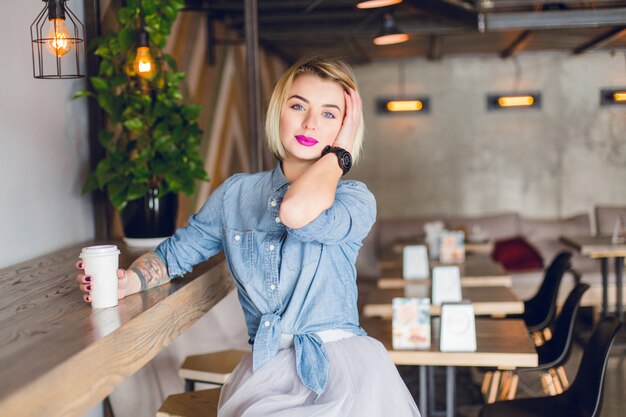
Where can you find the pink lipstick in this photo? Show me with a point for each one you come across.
(305, 140)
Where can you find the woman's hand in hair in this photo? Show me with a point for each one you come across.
(351, 120)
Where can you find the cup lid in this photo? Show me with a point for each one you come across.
(100, 250)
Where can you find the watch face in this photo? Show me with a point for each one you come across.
(346, 161)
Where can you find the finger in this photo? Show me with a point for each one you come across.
(80, 264)
(85, 288)
(87, 298)
(83, 279)
(121, 273)
(357, 102)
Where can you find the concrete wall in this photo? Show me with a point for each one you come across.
(43, 150)
(461, 159)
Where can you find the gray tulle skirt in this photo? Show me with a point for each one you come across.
(362, 382)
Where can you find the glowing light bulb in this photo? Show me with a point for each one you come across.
(144, 63)
(405, 105)
(59, 41)
(619, 96)
(516, 101)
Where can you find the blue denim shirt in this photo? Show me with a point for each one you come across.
(289, 281)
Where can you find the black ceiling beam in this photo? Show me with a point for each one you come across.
(558, 19)
(230, 6)
(343, 15)
(517, 45)
(601, 40)
(331, 30)
(504, 4)
(447, 11)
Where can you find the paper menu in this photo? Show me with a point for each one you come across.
(415, 262)
(452, 247)
(410, 323)
(458, 328)
(446, 284)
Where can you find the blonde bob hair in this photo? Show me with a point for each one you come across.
(325, 68)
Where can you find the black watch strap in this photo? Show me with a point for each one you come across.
(344, 158)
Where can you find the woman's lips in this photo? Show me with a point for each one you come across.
(305, 140)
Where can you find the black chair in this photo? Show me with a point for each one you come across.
(540, 309)
(583, 398)
(554, 353)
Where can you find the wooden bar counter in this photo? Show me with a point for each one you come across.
(60, 357)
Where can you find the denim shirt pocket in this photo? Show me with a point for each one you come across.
(297, 255)
(240, 253)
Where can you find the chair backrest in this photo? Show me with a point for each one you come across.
(539, 311)
(586, 390)
(556, 351)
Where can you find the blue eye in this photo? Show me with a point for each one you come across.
(297, 107)
(328, 115)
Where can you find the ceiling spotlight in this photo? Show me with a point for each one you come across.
(514, 100)
(372, 4)
(613, 96)
(389, 33)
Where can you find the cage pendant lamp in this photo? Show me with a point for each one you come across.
(57, 42)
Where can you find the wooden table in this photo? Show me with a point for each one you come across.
(600, 247)
(487, 301)
(483, 248)
(476, 271)
(60, 357)
(501, 344)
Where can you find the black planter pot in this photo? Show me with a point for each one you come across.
(151, 216)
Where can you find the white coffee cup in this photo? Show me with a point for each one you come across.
(101, 263)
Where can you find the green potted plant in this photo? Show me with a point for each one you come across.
(152, 138)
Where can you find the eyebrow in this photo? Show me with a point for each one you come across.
(307, 101)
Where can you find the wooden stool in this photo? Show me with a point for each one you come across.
(209, 368)
(191, 404)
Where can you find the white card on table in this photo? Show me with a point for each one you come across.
(452, 247)
(458, 328)
(415, 262)
(446, 283)
(410, 323)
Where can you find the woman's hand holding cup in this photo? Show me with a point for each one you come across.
(85, 282)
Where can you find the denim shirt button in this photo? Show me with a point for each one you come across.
(273, 203)
(266, 324)
(271, 248)
(277, 219)
(237, 237)
(272, 287)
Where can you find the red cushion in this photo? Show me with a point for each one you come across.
(516, 254)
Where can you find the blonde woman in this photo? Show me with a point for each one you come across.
(291, 237)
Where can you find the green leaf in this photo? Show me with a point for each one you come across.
(136, 191)
(126, 38)
(118, 195)
(104, 173)
(134, 124)
(191, 112)
(103, 51)
(99, 84)
(125, 14)
(91, 183)
(104, 138)
(83, 93)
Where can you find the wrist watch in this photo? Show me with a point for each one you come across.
(343, 157)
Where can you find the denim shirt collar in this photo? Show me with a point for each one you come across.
(278, 177)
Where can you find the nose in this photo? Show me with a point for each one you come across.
(310, 122)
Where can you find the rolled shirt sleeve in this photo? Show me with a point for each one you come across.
(196, 242)
(349, 219)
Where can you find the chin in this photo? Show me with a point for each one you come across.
(307, 154)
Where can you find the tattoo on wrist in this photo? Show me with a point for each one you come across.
(150, 270)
